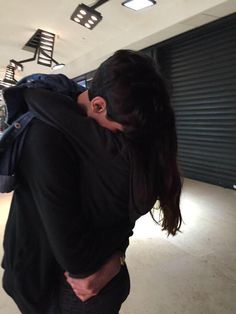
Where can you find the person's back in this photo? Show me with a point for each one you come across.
(49, 167)
(27, 251)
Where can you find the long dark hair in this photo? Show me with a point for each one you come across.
(137, 97)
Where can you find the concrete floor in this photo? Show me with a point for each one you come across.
(192, 273)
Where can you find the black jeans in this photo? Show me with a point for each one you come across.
(108, 301)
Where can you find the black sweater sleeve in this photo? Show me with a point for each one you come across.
(50, 171)
(63, 113)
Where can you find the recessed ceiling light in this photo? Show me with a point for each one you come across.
(87, 25)
(138, 4)
(94, 18)
(48, 43)
(46, 48)
(45, 61)
(47, 39)
(47, 34)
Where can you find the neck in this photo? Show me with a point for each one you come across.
(110, 125)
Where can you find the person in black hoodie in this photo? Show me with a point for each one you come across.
(89, 169)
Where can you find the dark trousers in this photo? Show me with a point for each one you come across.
(108, 301)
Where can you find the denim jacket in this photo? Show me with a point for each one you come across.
(14, 96)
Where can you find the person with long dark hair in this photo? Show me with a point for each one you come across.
(106, 159)
(137, 98)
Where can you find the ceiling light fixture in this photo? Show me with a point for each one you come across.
(138, 4)
(45, 48)
(9, 78)
(58, 66)
(42, 44)
(88, 16)
(46, 59)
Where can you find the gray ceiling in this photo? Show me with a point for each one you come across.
(82, 49)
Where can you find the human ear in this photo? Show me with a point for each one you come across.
(98, 104)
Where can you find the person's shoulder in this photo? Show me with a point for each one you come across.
(45, 150)
(45, 145)
(41, 127)
(44, 95)
(41, 133)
